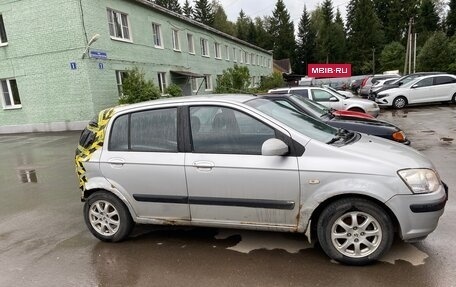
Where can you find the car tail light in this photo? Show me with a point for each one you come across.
(399, 136)
(364, 82)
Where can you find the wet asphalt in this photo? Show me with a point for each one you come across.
(44, 241)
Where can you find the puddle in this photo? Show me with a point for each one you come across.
(406, 252)
(447, 140)
(429, 131)
(27, 175)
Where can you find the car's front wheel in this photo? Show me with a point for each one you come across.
(355, 231)
(356, 110)
(453, 99)
(107, 217)
(399, 102)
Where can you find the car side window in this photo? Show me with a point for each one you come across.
(224, 130)
(321, 95)
(424, 83)
(151, 130)
(442, 80)
(302, 93)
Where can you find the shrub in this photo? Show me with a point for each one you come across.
(173, 90)
(135, 88)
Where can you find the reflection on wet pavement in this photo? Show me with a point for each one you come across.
(27, 175)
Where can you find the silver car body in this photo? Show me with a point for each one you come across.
(332, 99)
(219, 190)
(424, 89)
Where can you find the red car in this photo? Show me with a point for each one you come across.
(351, 114)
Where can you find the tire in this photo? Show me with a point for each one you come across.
(347, 242)
(399, 102)
(453, 99)
(107, 217)
(356, 110)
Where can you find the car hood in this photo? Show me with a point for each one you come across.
(351, 115)
(392, 91)
(367, 122)
(368, 155)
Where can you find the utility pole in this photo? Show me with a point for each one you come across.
(407, 52)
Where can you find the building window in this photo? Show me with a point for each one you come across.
(227, 53)
(156, 31)
(257, 60)
(3, 38)
(162, 82)
(176, 44)
(241, 56)
(120, 77)
(118, 25)
(252, 59)
(208, 82)
(191, 44)
(204, 47)
(247, 58)
(194, 85)
(10, 99)
(218, 51)
(234, 55)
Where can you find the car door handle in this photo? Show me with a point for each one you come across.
(203, 165)
(116, 162)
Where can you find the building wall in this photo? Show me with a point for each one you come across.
(45, 36)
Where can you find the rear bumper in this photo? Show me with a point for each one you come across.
(418, 214)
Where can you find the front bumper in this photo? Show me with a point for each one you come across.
(383, 102)
(418, 214)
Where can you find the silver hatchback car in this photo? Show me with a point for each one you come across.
(240, 161)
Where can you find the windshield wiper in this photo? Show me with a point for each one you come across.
(342, 134)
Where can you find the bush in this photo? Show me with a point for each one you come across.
(135, 88)
(233, 80)
(173, 90)
(275, 80)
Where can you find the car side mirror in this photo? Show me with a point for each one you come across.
(333, 99)
(273, 147)
(414, 86)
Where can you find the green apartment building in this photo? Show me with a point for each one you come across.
(62, 61)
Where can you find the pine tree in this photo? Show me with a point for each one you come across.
(242, 26)
(325, 32)
(428, 19)
(221, 22)
(203, 12)
(187, 10)
(339, 39)
(172, 5)
(305, 53)
(282, 30)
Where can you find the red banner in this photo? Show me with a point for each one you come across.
(329, 70)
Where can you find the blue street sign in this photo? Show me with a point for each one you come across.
(73, 65)
(100, 66)
(94, 54)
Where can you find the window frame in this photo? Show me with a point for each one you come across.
(227, 52)
(190, 43)
(120, 75)
(175, 40)
(208, 82)
(112, 13)
(234, 55)
(157, 36)
(162, 82)
(217, 51)
(13, 105)
(3, 42)
(204, 47)
(194, 84)
(453, 80)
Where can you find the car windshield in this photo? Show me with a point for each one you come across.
(314, 107)
(300, 122)
(334, 91)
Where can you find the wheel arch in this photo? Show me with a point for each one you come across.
(317, 211)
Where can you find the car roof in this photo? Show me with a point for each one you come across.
(216, 98)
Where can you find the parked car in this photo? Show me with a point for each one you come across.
(346, 93)
(355, 85)
(332, 99)
(426, 89)
(398, 82)
(369, 81)
(240, 161)
(315, 110)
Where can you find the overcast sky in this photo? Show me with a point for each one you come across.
(254, 8)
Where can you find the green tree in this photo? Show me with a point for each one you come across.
(236, 79)
(392, 57)
(264, 39)
(452, 48)
(325, 32)
(306, 50)
(338, 40)
(174, 90)
(187, 9)
(172, 5)
(135, 88)
(242, 26)
(435, 54)
(203, 12)
(282, 31)
(364, 35)
(275, 80)
(427, 21)
(451, 18)
(221, 22)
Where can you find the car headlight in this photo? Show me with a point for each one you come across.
(420, 180)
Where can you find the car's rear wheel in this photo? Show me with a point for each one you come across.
(355, 231)
(107, 217)
(453, 99)
(356, 110)
(399, 102)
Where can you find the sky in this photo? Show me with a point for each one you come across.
(255, 8)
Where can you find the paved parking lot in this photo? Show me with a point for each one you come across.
(44, 242)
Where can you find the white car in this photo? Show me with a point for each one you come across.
(432, 88)
(331, 99)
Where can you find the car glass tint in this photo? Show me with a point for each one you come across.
(442, 80)
(321, 96)
(316, 108)
(300, 122)
(223, 130)
(119, 134)
(302, 93)
(424, 83)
